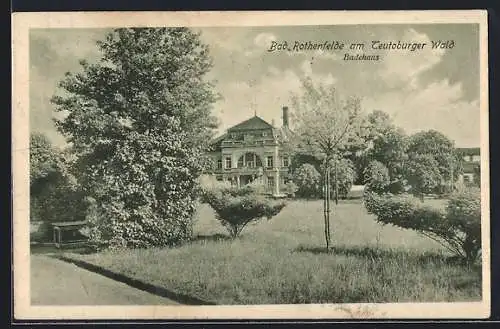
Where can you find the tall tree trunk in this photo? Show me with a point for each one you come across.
(328, 209)
(336, 184)
(452, 183)
(326, 204)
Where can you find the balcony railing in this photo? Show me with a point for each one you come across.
(248, 143)
(248, 170)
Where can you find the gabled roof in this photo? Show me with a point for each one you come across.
(251, 124)
(283, 134)
(215, 143)
(218, 139)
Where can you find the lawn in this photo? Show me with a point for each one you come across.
(283, 261)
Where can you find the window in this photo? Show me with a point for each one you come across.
(237, 136)
(285, 162)
(219, 164)
(264, 134)
(269, 162)
(270, 182)
(250, 160)
(228, 163)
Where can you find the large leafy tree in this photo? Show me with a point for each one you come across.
(54, 196)
(326, 127)
(298, 159)
(45, 177)
(343, 176)
(308, 181)
(436, 145)
(388, 145)
(376, 176)
(139, 120)
(44, 158)
(422, 173)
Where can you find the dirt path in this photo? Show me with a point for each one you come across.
(54, 282)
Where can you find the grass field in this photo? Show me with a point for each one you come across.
(284, 261)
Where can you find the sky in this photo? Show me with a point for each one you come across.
(421, 90)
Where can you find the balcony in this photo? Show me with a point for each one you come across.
(244, 170)
(236, 143)
(249, 170)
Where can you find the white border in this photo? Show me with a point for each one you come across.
(22, 22)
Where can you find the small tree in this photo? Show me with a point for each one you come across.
(236, 208)
(308, 181)
(325, 127)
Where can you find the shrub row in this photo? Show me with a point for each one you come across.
(457, 226)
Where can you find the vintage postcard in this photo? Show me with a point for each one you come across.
(251, 165)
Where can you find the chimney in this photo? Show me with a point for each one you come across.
(285, 116)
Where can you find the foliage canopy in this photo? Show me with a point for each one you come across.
(139, 120)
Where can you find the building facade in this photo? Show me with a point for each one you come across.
(253, 152)
(471, 165)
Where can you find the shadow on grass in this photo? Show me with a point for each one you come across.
(50, 249)
(136, 283)
(211, 238)
(374, 253)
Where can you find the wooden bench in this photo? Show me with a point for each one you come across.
(61, 229)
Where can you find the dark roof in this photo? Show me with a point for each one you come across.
(251, 124)
(218, 140)
(283, 134)
(469, 150)
(221, 137)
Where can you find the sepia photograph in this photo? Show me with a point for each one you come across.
(234, 165)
